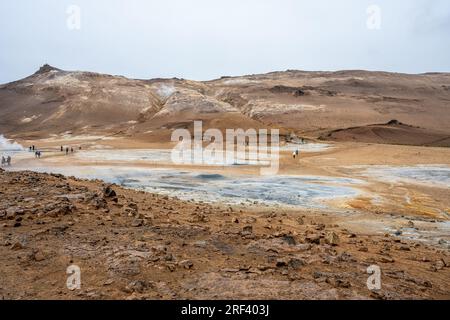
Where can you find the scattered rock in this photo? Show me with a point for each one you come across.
(290, 240)
(345, 257)
(247, 230)
(281, 263)
(298, 93)
(386, 259)
(108, 192)
(17, 246)
(58, 176)
(320, 227)
(108, 282)
(377, 295)
(199, 217)
(290, 262)
(303, 247)
(332, 239)
(313, 238)
(98, 203)
(338, 283)
(37, 255)
(249, 220)
(187, 264)
(263, 267)
(137, 223)
(133, 206)
(296, 263)
(138, 286)
(12, 213)
(439, 264)
(61, 209)
(168, 257)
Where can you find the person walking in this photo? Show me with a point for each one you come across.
(67, 151)
(8, 160)
(3, 161)
(62, 149)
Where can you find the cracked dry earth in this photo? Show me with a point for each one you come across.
(136, 245)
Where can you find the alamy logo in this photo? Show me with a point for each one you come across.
(374, 281)
(74, 279)
(374, 17)
(74, 17)
(239, 147)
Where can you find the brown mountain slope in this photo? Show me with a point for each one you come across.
(317, 102)
(53, 101)
(393, 132)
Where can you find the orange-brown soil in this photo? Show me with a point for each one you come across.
(136, 245)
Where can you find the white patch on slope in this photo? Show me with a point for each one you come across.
(165, 91)
(193, 101)
(29, 119)
(239, 81)
(64, 80)
(266, 107)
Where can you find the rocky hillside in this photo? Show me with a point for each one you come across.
(53, 101)
(393, 132)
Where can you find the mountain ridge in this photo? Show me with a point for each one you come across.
(53, 101)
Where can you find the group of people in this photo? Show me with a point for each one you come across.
(37, 153)
(67, 150)
(295, 154)
(6, 161)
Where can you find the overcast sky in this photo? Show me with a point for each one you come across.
(206, 39)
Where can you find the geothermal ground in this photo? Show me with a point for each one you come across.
(224, 231)
(365, 190)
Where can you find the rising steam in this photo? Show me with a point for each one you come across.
(7, 145)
